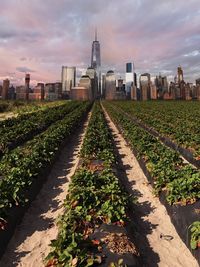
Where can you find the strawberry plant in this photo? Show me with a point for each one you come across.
(180, 180)
(22, 165)
(16, 131)
(94, 197)
(195, 235)
(178, 120)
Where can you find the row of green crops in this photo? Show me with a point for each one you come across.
(178, 120)
(95, 197)
(20, 106)
(21, 166)
(15, 131)
(181, 181)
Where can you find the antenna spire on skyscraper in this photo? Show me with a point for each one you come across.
(96, 34)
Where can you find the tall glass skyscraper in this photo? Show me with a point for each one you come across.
(96, 57)
(129, 77)
(96, 61)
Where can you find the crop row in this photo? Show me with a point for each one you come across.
(20, 167)
(180, 180)
(95, 197)
(15, 131)
(176, 120)
(21, 106)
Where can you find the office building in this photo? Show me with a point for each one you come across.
(153, 91)
(11, 93)
(91, 72)
(180, 74)
(129, 77)
(38, 92)
(103, 85)
(50, 93)
(145, 83)
(68, 79)
(134, 95)
(5, 87)
(96, 61)
(1, 89)
(21, 92)
(110, 85)
(79, 93)
(85, 82)
(198, 92)
(162, 85)
(27, 85)
(96, 56)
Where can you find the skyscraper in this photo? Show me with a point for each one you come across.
(68, 79)
(6, 84)
(110, 85)
(27, 85)
(96, 60)
(96, 57)
(130, 77)
(145, 83)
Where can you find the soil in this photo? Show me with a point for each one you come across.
(30, 243)
(152, 224)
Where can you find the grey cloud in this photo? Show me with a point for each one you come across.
(24, 69)
(155, 34)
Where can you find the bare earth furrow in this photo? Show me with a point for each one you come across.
(150, 216)
(30, 243)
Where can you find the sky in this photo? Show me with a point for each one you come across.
(38, 37)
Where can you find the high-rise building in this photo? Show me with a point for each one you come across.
(198, 81)
(85, 82)
(120, 85)
(198, 92)
(11, 93)
(27, 85)
(145, 83)
(68, 79)
(91, 72)
(180, 74)
(162, 85)
(1, 88)
(96, 57)
(110, 85)
(6, 84)
(103, 85)
(129, 77)
(134, 93)
(38, 92)
(96, 60)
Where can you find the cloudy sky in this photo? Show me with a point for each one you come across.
(40, 36)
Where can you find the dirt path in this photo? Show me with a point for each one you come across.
(29, 244)
(150, 216)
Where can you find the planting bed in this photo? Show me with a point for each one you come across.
(92, 229)
(177, 182)
(101, 223)
(178, 120)
(16, 131)
(23, 170)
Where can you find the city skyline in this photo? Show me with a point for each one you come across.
(40, 37)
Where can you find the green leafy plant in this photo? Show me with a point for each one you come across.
(195, 235)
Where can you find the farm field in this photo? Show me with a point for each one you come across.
(9, 108)
(178, 120)
(112, 193)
